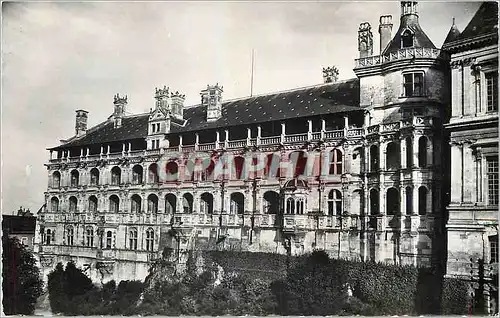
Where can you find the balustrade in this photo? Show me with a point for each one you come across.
(402, 54)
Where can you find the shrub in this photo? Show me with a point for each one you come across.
(455, 299)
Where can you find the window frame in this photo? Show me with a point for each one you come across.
(404, 84)
(492, 200)
(494, 86)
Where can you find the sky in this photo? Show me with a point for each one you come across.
(58, 57)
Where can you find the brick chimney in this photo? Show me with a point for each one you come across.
(120, 105)
(384, 31)
(211, 99)
(365, 40)
(81, 122)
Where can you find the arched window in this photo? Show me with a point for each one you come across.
(56, 179)
(422, 200)
(70, 235)
(299, 206)
(271, 202)
(409, 200)
(92, 203)
(94, 176)
(335, 162)
(150, 236)
(406, 39)
(272, 168)
(116, 176)
(48, 237)
(133, 238)
(54, 204)
(393, 156)
(137, 174)
(374, 202)
(75, 178)
(73, 204)
(374, 158)
(187, 203)
(392, 201)
(422, 152)
(206, 203)
(152, 203)
(237, 203)
(335, 203)
(172, 170)
(409, 152)
(299, 161)
(109, 239)
(89, 236)
(136, 204)
(290, 206)
(208, 169)
(170, 203)
(239, 163)
(153, 173)
(114, 204)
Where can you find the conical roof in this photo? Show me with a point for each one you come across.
(453, 34)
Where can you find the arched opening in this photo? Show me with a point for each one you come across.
(133, 238)
(70, 235)
(135, 204)
(208, 169)
(272, 167)
(114, 204)
(334, 202)
(54, 204)
(299, 161)
(290, 206)
(335, 162)
(116, 176)
(299, 203)
(150, 236)
(356, 206)
(187, 203)
(393, 156)
(93, 203)
(237, 203)
(48, 237)
(75, 178)
(172, 170)
(409, 152)
(206, 203)
(152, 203)
(422, 200)
(170, 203)
(392, 201)
(153, 173)
(109, 239)
(56, 179)
(374, 202)
(406, 39)
(422, 152)
(137, 173)
(374, 158)
(73, 204)
(271, 202)
(94, 176)
(409, 200)
(239, 164)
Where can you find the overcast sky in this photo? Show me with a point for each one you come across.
(59, 57)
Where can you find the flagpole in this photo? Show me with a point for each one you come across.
(251, 80)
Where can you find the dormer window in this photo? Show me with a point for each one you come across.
(406, 39)
(155, 128)
(413, 84)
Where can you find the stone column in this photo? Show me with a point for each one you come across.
(381, 155)
(456, 173)
(402, 160)
(283, 132)
(416, 207)
(259, 133)
(468, 172)
(402, 190)
(430, 151)
(456, 89)
(415, 150)
(323, 128)
(429, 200)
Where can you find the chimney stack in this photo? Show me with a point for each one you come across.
(81, 122)
(385, 31)
(120, 105)
(330, 74)
(365, 40)
(211, 100)
(178, 104)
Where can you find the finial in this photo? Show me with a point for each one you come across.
(453, 21)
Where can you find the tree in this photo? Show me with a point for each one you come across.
(22, 284)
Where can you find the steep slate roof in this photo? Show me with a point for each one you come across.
(484, 21)
(302, 102)
(14, 224)
(420, 39)
(453, 34)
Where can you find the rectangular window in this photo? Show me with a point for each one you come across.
(492, 176)
(493, 249)
(413, 84)
(492, 91)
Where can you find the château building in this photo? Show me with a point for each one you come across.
(357, 168)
